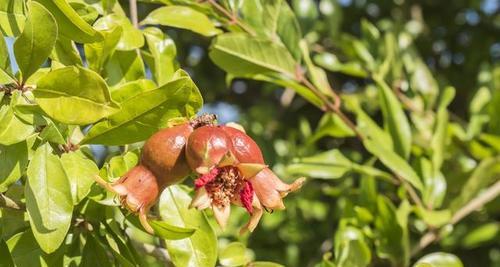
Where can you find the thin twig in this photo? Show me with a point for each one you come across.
(476, 203)
(232, 17)
(6, 202)
(133, 13)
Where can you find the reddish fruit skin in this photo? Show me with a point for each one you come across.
(138, 189)
(244, 147)
(206, 146)
(164, 154)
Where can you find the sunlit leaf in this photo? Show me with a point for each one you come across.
(182, 17)
(200, 249)
(439, 259)
(74, 95)
(147, 112)
(71, 25)
(36, 41)
(48, 199)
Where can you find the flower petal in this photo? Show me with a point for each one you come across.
(201, 199)
(221, 214)
(255, 218)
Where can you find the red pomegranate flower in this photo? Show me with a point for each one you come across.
(233, 172)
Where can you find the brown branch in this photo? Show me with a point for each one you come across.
(476, 203)
(133, 13)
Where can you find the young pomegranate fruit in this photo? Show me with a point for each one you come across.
(239, 176)
(163, 163)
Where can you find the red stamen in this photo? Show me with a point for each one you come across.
(206, 178)
(246, 196)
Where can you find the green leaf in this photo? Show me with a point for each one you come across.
(147, 112)
(394, 162)
(27, 253)
(124, 66)
(275, 20)
(370, 128)
(264, 264)
(36, 41)
(127, 90)
(481, 235)
(391, 242)
(200, 249)
(94, 253)
(241, 54)
(435, 218)
(74, 95)
(12, 17)
(351, 248)
(440, 137)
(13, 161)
(6, 258)
(434, 184)
(170, 232)
(439, 259)
(327, 165)
(331, 165)
(300, 89)
(485, 173)
(395, 120)
(54, 132)
(71, 25)
(88, 13)
(80, 171)
(12, 129)
(163, 50)
(182, 17)
(65, 52)
(131, 37)
(330, 62)
(97, 53)
(48, 199)
(331, 125)
(234, 254)
(317, 75)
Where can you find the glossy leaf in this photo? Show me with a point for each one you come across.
(234, 254)
(485, 173)
(182, 17)
(394, 162)
(351, 248)
(163, 49)
(74, 95)
(439, 259)
(12, 17)
(13, 161)
(12, 129)
(147, 112)
(127, 90)
(254, 55)
(6, 258)
(395, 120)
(200, 249)
(391, 243)
(124, 66)
(170, 232)
(80, 172)
(65, 52)
(48, 199)
(27, 253)
(71, 25)
(131, 38)
(97, 53)
(36, 41)
(94, 254)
